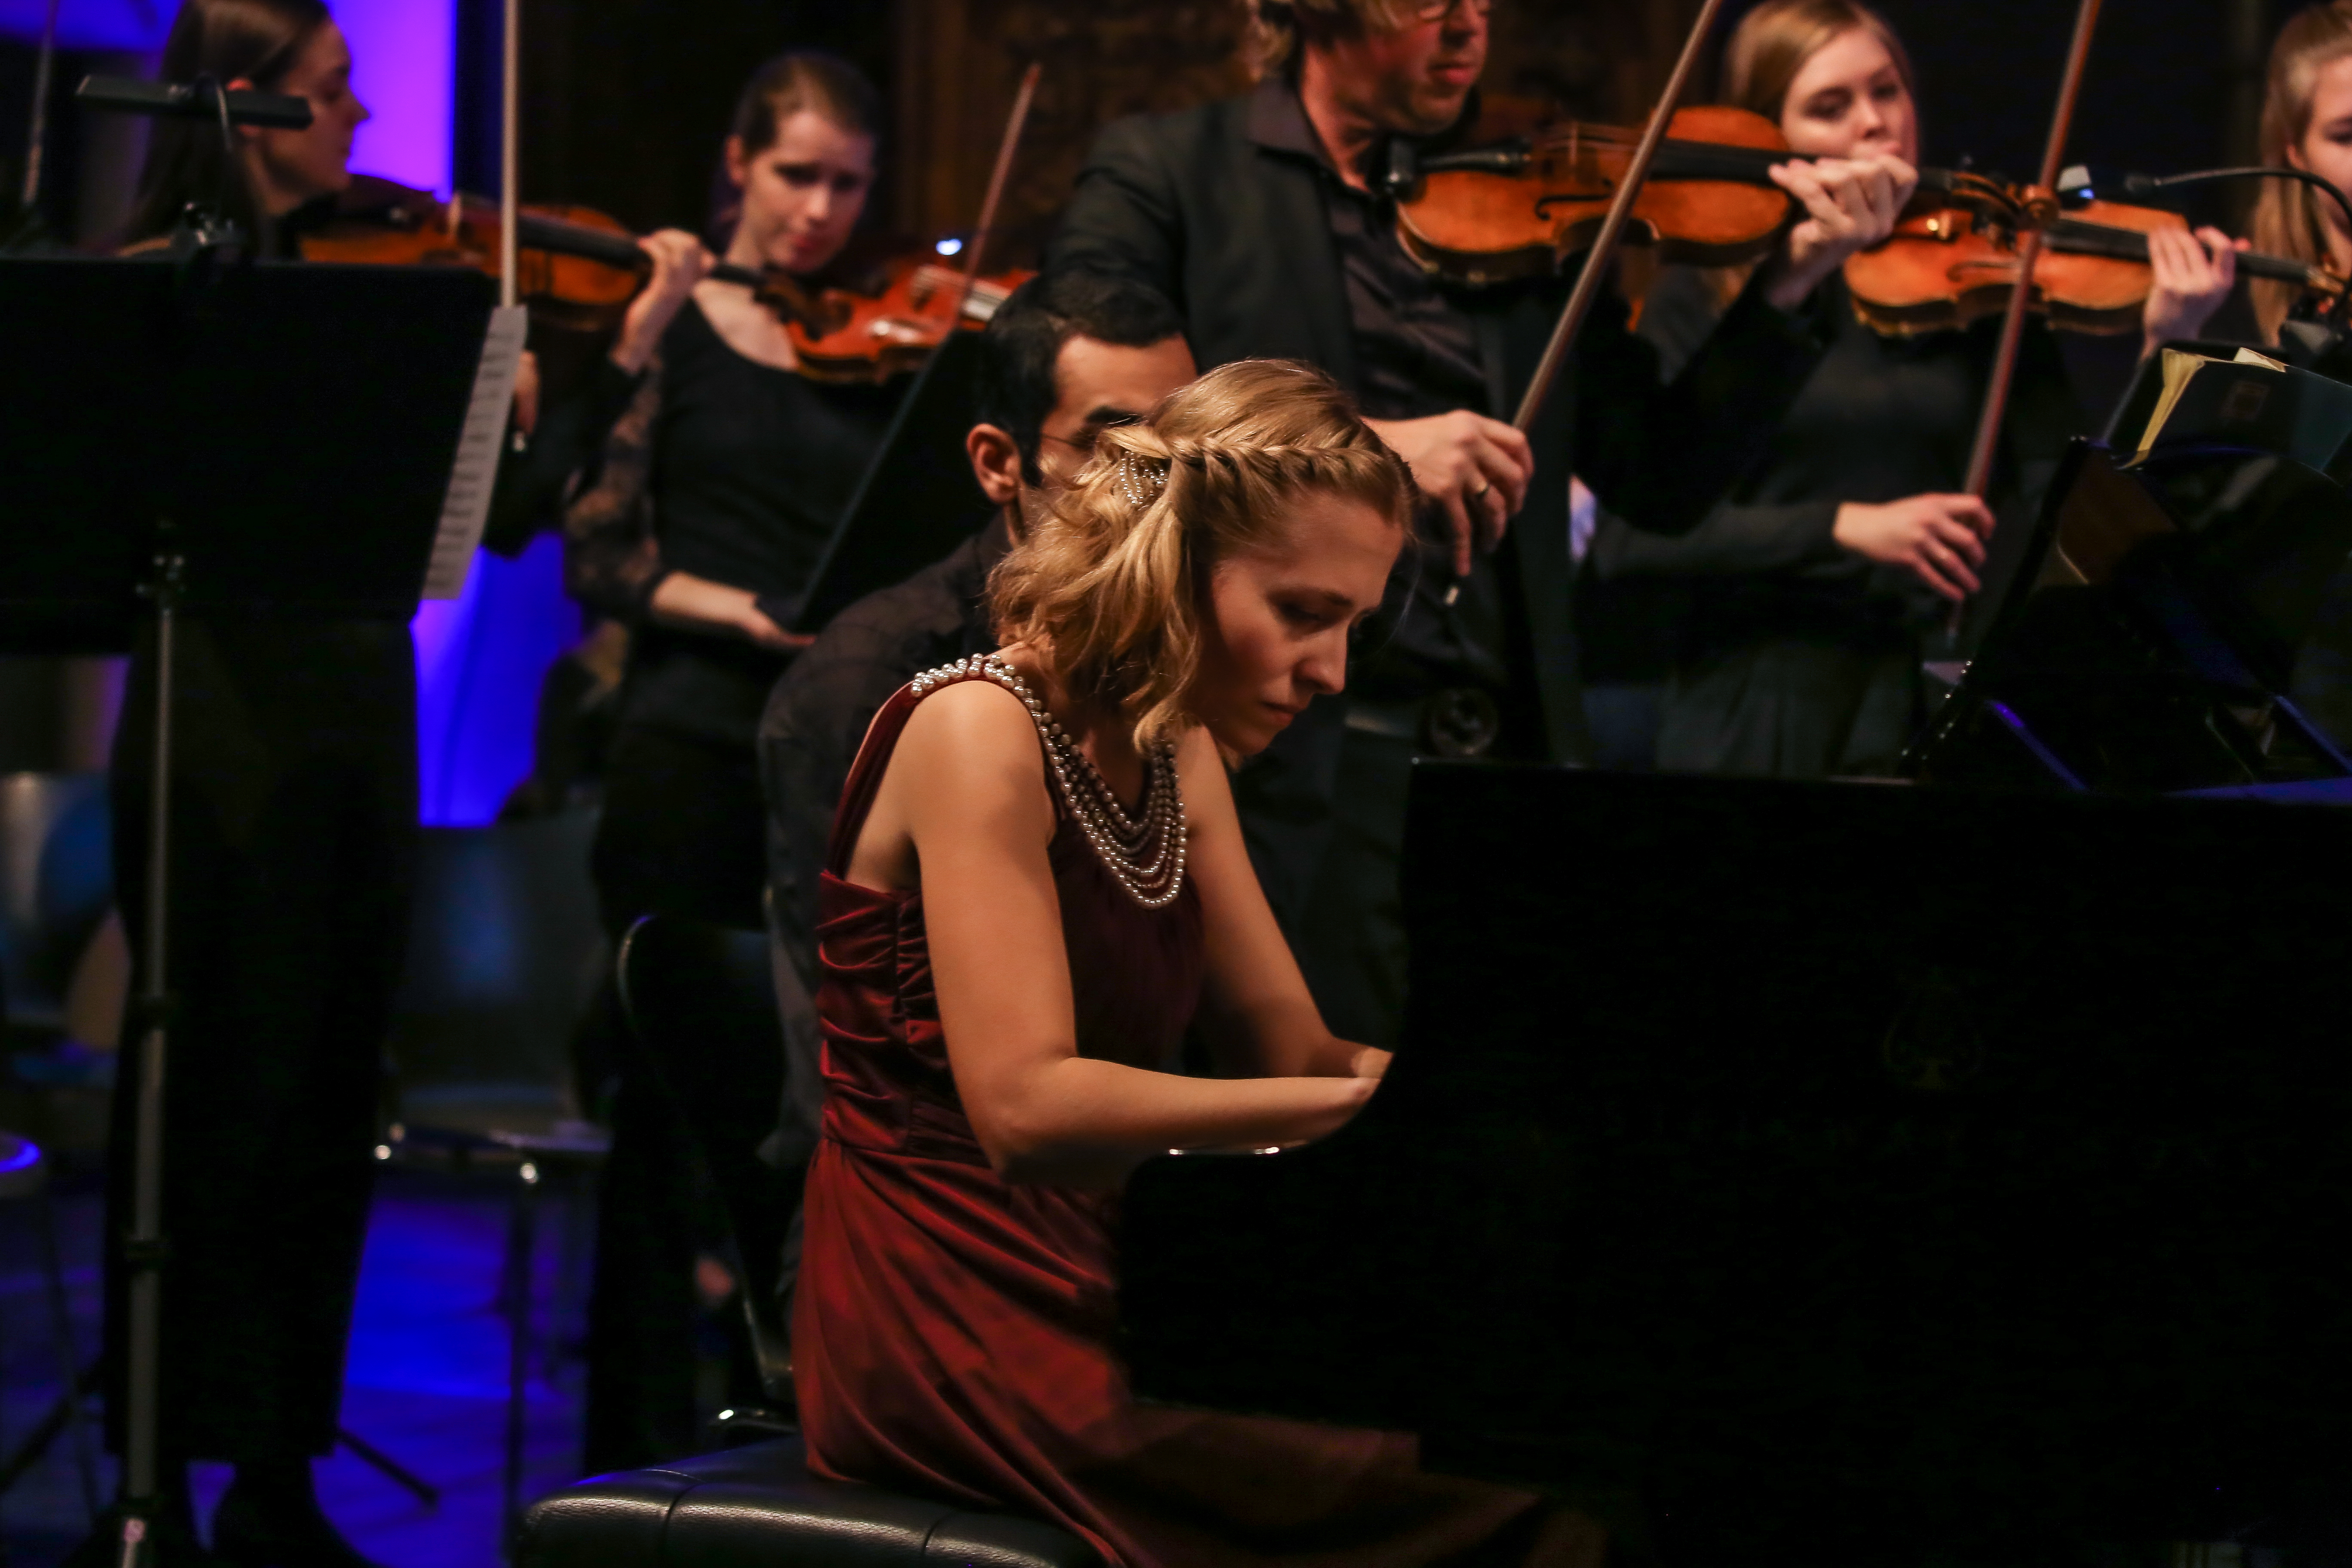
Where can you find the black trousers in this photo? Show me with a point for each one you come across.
(682, 832)
(293, 823)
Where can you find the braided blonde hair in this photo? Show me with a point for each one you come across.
(1112, 586)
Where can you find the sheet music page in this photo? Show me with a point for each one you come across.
(466, 508)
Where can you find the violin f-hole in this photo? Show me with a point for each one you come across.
(1544, 203)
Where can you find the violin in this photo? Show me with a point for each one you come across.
(1520, 208)
(574, 267)
(577, 269)
(1954, 258)
(886, 319)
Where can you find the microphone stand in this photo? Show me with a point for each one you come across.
(2321, 345)
(204, 236)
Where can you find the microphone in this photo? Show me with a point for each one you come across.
(194, 100)
(2150, 184)
(2080, 182)
(2083, 182)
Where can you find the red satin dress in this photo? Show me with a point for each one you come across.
(952, 1334)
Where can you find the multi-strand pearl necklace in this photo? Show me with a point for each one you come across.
(1144, 854)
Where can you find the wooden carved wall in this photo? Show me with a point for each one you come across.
(1595, 59)
(626, 99)
(959, 63)
(625, 102)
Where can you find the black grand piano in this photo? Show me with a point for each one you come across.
(1863, 1173)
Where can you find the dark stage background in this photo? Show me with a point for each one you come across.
(626, 100)
(628, 97)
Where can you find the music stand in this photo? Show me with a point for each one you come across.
(266, 441)
(918, 500)
(2155, 635)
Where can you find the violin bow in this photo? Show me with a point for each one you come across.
(1603, 248)
(2038, 209)
(509, 160)
(1014, 124)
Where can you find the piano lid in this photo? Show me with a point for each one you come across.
(1842, 1164)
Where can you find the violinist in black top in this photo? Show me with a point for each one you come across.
(293, 822)
(710, 503)
(698, 525)
(1791, 623)
(1261, 217)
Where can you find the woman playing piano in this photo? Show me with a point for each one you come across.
(1797, 611)
(1037, 882)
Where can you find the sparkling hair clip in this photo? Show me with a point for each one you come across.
(1141, 479)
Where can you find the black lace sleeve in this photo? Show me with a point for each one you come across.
(612, 562)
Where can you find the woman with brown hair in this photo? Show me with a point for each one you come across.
(294, 820)
(1037, 882)
(698, 526)
(1799, 611)
(279, 45)
(293, 824)
(702, 517)
(2307, 124)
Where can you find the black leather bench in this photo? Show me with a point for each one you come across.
(755, 1507)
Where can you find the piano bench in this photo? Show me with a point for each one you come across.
(756, 1506)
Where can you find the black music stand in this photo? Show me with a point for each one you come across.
(2174, 625)
(265, 440)
(918, 500)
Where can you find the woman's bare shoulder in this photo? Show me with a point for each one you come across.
(975, 732)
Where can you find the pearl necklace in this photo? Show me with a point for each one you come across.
(1145, 855)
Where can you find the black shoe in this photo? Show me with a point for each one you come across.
(279, 1533)
(172, 1542)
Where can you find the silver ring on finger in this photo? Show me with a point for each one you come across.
(1481, 487)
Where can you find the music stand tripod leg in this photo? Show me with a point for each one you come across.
(143, 1248)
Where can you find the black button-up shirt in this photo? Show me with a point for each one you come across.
(816, 716)
(1417, 355)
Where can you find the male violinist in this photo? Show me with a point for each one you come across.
(1265, 219)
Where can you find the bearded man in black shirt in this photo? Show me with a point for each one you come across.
(1063, 357)
(1262, 219)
